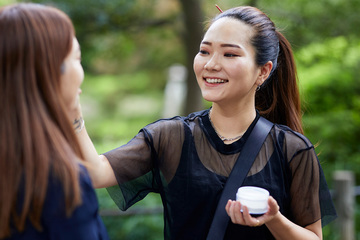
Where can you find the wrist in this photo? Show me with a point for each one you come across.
(276, 219)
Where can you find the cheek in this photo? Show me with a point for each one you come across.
(71, 81)
(81, 73)
(234, 70)
(66, 92)
(239, 69)
(75, 77)
(198, 65)
(76, 73)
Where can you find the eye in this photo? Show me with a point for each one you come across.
(230, 55)
(203, 52)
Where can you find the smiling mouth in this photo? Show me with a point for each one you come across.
(215, 80)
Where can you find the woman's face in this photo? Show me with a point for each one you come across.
(72, 77)
(225, 66)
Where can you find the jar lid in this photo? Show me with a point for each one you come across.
(252, 193)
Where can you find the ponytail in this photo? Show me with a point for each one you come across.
(278, 99)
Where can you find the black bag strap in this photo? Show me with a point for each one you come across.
(242, 166)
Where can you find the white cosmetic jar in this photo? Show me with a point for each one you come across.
(254, 198)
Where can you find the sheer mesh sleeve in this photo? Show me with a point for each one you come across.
(305, 188)
(132, 166)
(134, 163)
(131, 160)
(311, 200)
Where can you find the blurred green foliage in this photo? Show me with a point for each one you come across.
(330, 87)
(329, 76)
(149, 226)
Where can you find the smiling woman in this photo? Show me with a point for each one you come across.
(45, 190)
(245, 67)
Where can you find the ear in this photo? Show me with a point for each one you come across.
(264, 72)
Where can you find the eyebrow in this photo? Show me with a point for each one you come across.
(222, 45)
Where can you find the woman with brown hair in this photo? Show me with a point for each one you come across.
(245, 67)
(45, 190)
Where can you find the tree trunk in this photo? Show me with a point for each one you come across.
(192, 36)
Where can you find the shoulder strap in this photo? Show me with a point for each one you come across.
(242, 166)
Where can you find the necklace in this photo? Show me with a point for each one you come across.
(222, 137)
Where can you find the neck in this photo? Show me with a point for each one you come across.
(231, 123)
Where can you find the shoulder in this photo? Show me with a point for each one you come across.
(54, 206)
(88, 194)
(292, 144)
(83, 223)
(291, 137)
(194, 115)
(174, 123)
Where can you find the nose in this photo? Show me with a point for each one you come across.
(213, 64)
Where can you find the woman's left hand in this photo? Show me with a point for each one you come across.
(233, 209)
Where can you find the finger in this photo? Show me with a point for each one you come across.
(272, 211)
(246, 215)
(233, 210)
(229, 209)
(273, 206)
(238, 216)
(249, 220)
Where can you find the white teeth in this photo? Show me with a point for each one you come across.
(215, 80)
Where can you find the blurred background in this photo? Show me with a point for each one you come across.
(138, 55)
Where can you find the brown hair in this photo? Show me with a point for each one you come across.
(278, 98)
(37, 138)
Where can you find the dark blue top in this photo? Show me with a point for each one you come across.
(84, 223)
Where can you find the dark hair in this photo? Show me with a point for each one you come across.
(37, 138)
(278, 98)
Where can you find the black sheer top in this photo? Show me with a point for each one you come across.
(184, 160)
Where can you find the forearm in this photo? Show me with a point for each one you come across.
(99, 167)
(282, 228)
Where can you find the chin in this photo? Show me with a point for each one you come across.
(209, 99)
